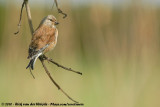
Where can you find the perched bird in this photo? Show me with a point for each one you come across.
(44, 39)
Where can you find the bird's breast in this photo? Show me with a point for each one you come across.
(53, 43)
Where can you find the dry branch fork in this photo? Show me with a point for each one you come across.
(43, 57)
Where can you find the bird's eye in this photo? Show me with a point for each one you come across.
(51, 20)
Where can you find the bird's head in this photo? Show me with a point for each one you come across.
(50, 20)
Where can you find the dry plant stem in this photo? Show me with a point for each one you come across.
(31, 73)
(59, 88)
(29, 17)
(19, 24)
(30, 23)
(59, 10)
(68, 69)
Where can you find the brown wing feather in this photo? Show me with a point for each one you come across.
(43, 35)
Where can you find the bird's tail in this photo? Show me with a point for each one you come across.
(32, 61)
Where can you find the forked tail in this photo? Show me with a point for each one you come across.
(32, 61)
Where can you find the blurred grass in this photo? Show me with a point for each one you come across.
(117, 49)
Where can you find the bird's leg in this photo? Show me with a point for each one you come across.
(43, 57)
(46, 58)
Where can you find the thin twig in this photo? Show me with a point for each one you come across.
(59, 10)
(19, 24)
(59, 88)
(31, 73)
(30, 23)
(68, 69)
(29, 16)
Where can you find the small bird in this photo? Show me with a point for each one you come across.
(44, 39)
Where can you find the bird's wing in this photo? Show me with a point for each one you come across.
(41, 39)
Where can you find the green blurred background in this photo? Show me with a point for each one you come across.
(114, 44)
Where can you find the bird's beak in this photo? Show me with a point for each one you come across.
(56, 23)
